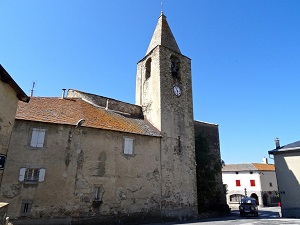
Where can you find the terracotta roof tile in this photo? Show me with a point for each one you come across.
(264, 166)
(71, 110)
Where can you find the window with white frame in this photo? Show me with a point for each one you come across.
(128, 146)
(37, 137)
(32, 175)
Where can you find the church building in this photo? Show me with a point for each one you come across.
(82, 155)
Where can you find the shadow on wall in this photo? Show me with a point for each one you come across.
(288, 184)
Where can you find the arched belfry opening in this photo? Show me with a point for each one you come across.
(148, 68)
(175, 67)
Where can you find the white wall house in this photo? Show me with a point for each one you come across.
(257, 180)
(287, 164)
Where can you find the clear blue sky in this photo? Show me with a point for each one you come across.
(245, 58)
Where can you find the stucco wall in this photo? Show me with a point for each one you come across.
(262, 185)
(8, 107)
(288, 176)
(76, 162)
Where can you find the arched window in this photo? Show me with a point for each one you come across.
(175, 66)
(236, 197)
(148, 69)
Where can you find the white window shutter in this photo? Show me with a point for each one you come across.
(22, 174)
(40, 138)
(34, 137)
(42, 174)
(128, 146)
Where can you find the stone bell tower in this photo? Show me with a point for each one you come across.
(164, 90)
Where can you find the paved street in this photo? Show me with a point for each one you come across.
(267, 216)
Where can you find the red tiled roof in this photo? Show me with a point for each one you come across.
(71, 110)
(264, 166)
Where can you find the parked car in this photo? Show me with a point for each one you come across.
(248, 206)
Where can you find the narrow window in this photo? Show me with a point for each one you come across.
(174, 66)
(26, 207)
(37, 138)
(252, 183)
(148, 68)
(237, 183)
(97, 192)
(128, 146)
(271, 185)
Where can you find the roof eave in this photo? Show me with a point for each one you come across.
(282, 150)
(6, 78)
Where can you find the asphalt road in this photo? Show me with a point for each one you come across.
(267, 216)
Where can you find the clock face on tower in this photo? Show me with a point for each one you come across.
(177, 91)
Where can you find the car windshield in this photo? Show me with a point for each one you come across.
(248, 201)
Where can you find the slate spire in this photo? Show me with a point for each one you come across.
(163, 36)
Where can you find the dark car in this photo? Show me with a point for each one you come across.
(248, 206)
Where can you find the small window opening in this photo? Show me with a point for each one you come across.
(26, 207)
(148, 68)
(32, 175)
(251, 172)
(175, 66)
(236, 172)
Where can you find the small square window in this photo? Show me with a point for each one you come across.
(238, 183)
(252, 183)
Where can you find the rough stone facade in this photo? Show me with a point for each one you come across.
(173, 116)
(79, 161)
(210, 133)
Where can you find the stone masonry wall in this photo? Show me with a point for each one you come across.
(79, 163)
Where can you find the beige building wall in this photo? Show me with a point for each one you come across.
(80, 162)
(288, 176)
(8, 108)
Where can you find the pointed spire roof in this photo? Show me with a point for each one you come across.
(163, 36)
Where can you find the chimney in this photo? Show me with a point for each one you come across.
(265, 160)
(277, 143)
(106, 104)
(63, 93)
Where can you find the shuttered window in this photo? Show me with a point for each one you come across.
(128, 146)
(37, 137)
(32, 175)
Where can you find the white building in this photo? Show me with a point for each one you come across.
(257, 180)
